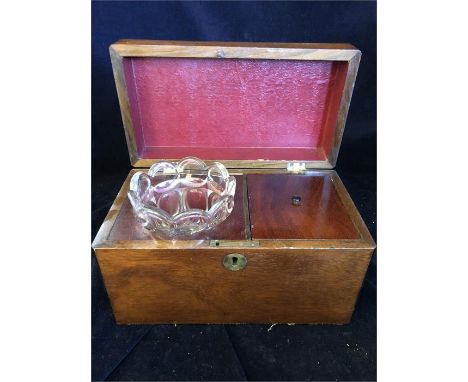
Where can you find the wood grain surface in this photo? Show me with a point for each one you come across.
(309, 261)
(301, 280)
(127, 236)
(192, 286)
(256, 50)
(321, 214)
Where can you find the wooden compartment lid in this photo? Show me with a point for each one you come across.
(246, 105)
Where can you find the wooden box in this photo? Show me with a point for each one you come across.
(274, 114)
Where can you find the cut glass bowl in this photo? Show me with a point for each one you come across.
(184, 198)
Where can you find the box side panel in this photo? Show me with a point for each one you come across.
(193, 286)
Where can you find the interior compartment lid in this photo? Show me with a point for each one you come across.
(243, 104)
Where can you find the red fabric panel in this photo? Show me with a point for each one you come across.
(235, 109)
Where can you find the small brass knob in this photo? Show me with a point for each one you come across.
(234, 261)
(296, 200)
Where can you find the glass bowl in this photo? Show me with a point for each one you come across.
(184, 198)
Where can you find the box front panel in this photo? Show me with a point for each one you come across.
(193, 286)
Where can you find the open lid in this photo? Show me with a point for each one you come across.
(246, 105)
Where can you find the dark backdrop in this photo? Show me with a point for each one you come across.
(235, 352)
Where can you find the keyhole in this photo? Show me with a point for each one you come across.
(234, 261)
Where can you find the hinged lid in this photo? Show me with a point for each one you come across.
(243, 104)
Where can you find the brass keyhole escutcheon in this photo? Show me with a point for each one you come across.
(234, 261)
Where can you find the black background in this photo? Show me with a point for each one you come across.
(234, 352)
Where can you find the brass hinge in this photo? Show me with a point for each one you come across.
(296, 166)
(234, 243)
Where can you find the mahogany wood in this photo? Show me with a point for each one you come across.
(192, 286)
(286, 280)
(315, 158)
(127, 237)
(305, 264)
(321, 214)
(255, 50)
(243, 44)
